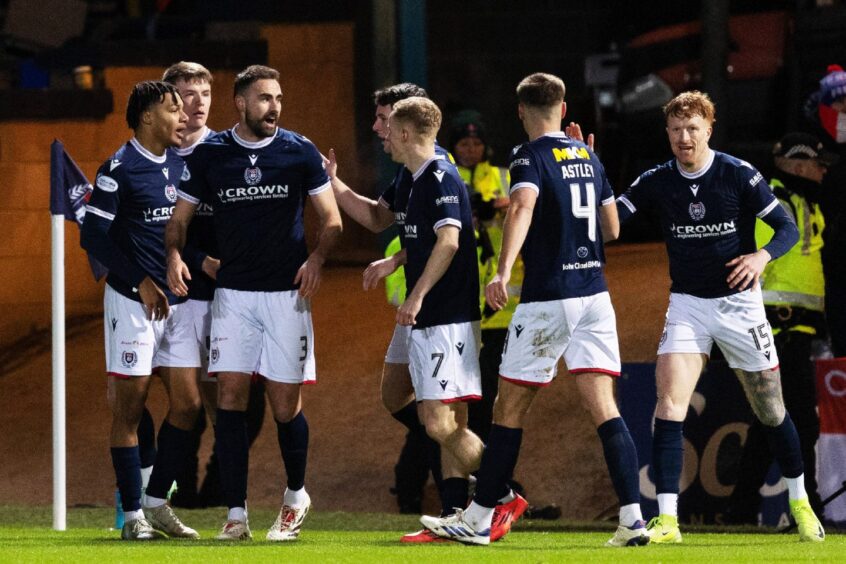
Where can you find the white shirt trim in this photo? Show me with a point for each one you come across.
(701, 171)
(768, 209)
(420, 170)
(185, 151)
(251, 144)
(521, 185)
(147, 154)
(555, 134)
(446, 221)
(383, 203)
(608, 201)
(628, 203)
(319, 189)
(99, 212)
(187, 197)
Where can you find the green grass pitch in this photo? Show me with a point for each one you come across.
(26, 536)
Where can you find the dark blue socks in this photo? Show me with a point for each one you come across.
(409, 418)
(667, 455)
(498, 462)
(233, 455)
(127, 464)
(453, 494)
(147, 439)
(621, 458)
(784, 444)
(174, 449)
(293, 443)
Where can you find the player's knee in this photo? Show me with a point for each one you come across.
(183, 413)
(669, 409)
(770, 413)
(439, 428)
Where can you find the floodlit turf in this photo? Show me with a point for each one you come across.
(26, 536)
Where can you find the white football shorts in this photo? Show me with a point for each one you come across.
(444, 362)
(398, 349)
(188, 336)
(582, 330)
(269, 333)
(737, 323)
(135, 345)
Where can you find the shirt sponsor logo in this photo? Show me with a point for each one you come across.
(446, 200)
(410, 231)
(250, 193)
(577, 170)
(581, 265)
(170, 193)
(696, 211)
(703, 231)
(519, 162)
(186, 174)
(106, 183)
(154, 215)
(252, 175)
(756, 179)
(570, 153)
(399, 218)
(204, 210)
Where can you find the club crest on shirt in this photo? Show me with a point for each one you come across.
(696, 211)
(215, 355)
(170, 193)
(129, 359)
(252, 175)
(582, 252)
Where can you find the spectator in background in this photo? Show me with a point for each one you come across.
(489, 192)
(826, 114)
(793, 291)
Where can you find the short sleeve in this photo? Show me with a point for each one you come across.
(755, 193)
(105, 199)
(193, 181)
(524, 170)
(445, 199)
(315, 178)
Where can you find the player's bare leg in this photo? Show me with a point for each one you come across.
(763, 390)
(397, 391)
(597, 393)
(127, 397)
(675, 379)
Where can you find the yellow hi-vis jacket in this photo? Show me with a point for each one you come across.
(796, 278)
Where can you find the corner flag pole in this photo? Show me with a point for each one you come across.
(57, 253)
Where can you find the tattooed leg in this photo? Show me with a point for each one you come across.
(763, 390)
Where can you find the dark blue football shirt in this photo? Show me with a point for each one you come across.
(258, 191)
(563, 252)
(438, 197)
(133, 198)
(200, 239)
(707, 218)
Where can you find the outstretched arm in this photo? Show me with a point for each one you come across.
(365, 211)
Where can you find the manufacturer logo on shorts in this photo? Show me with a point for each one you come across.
(129, 359)
(460, 347)
(582, 252)
(696, 211)
(252, 175)
(443, 384)
(114, 323)
(663, 338)
(170, 192)
(215, 355)
(517, 330)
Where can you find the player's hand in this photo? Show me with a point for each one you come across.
(309, 275)
(330, 163)
(496, 292)
(154, 300)
(377, 270)
(211, 266)
(747, 269)
(177, 274)
(574, 130)
(407, 312)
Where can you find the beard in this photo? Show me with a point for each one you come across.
(259, 126)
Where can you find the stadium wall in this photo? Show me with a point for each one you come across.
(316, 64)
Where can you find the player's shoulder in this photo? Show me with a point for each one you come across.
(741, 169)
(659, 173)
(293, 139)
(444, 153)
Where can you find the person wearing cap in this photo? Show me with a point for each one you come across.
(489, 188)
(793, 289)
(825, 112)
